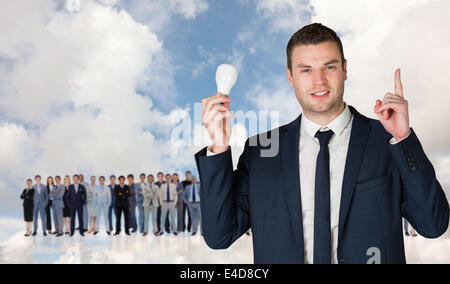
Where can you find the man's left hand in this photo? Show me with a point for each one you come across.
(393, 111)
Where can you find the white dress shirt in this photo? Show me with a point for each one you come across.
(309, 150)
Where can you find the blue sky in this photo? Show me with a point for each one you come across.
(98, 86)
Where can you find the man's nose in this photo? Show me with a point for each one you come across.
(319, 77)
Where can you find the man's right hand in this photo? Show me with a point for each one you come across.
(215, 116)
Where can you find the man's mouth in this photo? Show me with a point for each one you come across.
(321, 93)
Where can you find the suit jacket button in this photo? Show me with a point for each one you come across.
(414, 169)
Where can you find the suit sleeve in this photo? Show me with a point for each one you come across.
(424, 202)
(224, 195)
(84, 198)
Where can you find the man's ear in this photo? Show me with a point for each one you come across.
(345, 70)
(289, 76)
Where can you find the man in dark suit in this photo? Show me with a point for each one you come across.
(186, 183)
(330, 187)
(122, 194)
(76, 198)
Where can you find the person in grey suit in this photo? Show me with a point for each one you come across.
(40, 202)
(191, 197)
(169, 197)
(151, 204)
(85, 207)
(180, 203)
(133, 204)
(56, 195)
(140, 202)
(102, 201)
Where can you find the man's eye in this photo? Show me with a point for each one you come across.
(306, 70)
(330, 67)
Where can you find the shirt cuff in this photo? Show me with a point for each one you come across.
(209, 153)
(394, 141)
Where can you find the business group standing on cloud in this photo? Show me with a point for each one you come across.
(170, 205)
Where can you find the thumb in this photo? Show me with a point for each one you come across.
(375, 109)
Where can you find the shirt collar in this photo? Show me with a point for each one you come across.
(337, 125)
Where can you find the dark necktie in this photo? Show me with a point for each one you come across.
(168, 193)
(193, 193)
(322, 230)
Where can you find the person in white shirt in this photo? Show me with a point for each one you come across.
(169, 197)
(151, 204)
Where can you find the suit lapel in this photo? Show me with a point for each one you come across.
(358, 141)
(289, 150)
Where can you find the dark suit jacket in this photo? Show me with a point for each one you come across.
(122, 195)
(382, 183)
(76, 200)
(28, 197)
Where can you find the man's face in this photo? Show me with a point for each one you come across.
(102, 181)
(142, 178)
(130, 180)
(168, 178)
(58, 181)
(93, 180)
(76, 180)
(81, 178)
(121, 181)
(29, 183)
(112, 180)
(150, 180)
(38, 180)
(161, 178)
(317, 69)
(188, 176)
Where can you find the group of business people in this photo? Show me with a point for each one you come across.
(171, 205)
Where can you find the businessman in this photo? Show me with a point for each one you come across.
(191, 197)
(151, 204)
(185, 183)
(41, 199)
(76, 198)
(132, 204)
(85, 206)
(57, 195)
(122, 193)
(169, 197)
(112, 206)
(140, 201)
(338, 186)
(165, 227)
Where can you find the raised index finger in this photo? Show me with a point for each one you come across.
(398, 83)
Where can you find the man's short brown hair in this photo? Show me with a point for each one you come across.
(313, 34)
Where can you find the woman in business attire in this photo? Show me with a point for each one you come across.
(92, 210)
(28, 206)
(66, 209)
(50, 186)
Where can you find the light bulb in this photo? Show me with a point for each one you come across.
(226, 77)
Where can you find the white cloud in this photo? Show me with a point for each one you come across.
(189, 8)
(284, 15)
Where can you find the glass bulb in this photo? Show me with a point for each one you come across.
(226, 77)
